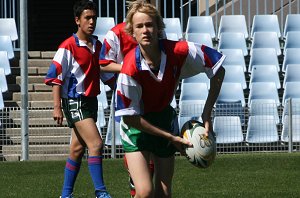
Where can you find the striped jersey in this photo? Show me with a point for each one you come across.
(140, 91)
(76, 68)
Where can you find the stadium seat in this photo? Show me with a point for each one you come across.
(202, 38)
(295, 105)
(3, 82)
(188, 91)
(201, 24)
(291, 57)
(102, 97)
(109, 135)
(172, 36)
(262, 129)
(101, 122)
(264, 107)
(295, 129)
(173, 25)
(1, 101)
(233, 40)
(233, 23)
(263, 90)
(265, 23)
(103, 25)
(4, 62)
(235, 74)
(10, 28)
(173, 102)
(199, 78)
(263, 56)
(231, 92)
(190, 109)
(292, 41)
(292, 74)
(291, 23)
(228, 129)
(230, 108)
(6, 45)
(291, 90)
(266, 40)
(234, 57)
(264, 73)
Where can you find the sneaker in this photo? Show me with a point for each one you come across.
(70, 196)
(103, 194)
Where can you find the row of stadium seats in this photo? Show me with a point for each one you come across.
(8, 34)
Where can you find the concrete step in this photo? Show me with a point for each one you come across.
(31, 71)
(39, 62)
(48, 54)
(36, 122)
(40, 131)
(31, 79)
(42, 140)
(32, 113)
(36, 149)
(34, 96)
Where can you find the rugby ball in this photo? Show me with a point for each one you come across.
(203, 151)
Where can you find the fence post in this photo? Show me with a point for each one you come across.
(290, 125)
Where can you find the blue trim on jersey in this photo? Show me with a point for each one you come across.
(51, 72)
(72, 87)
(76, 39)
(213, 55)
(138, 58)
(102, 51)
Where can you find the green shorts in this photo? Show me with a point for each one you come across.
(136, 140)
(76, 109)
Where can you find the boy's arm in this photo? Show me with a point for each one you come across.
(111, 67)
(57, 111)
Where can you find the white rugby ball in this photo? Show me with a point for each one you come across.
(203, 151)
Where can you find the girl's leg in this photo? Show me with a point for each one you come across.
(163, 174)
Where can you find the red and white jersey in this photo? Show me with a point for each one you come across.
(140, 91)
(76, 68)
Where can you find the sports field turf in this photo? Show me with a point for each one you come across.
(241, 175)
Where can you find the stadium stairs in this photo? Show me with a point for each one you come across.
(47, 141)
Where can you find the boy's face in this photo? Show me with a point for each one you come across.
(86, 22)
(144, 29)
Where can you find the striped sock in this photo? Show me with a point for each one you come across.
(71, 171)
(95, 167)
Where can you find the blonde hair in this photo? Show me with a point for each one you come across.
(146, 8)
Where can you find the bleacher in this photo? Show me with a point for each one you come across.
(251, 113)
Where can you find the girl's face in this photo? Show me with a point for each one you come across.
(87, 22)
(144, 29)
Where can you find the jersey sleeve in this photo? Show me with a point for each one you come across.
(60, 64)
(128, 96)
(201, 58)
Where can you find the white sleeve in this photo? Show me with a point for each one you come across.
(128, 96)
(201, 58)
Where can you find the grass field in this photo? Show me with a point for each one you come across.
(242, 175)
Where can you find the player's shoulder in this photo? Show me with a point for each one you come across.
(67, 43)
(175, 47)
(119, 28)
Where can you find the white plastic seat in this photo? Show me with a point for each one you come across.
(172, 36)
(295, 129)
(188, 92)
(291, 23)
(1, 101)
(265, 73)
(295, 108)
(230, 108)
(266, 40)
(228, 129)
(199, 78)
(233, 23)
(292, 90)
(109, 135)
(233, 40)
(201, 24)
(103, 25)
(292, 41)
(4, 62)
(263, 56)
(265, 23)
(235, 74)
(6, 45)
(263, 90)
(190, 109)
(101, 122)
(292, 74)
(291, 57)
(264, 107)
(234, 57)
(202, 38)
(3, 82)
(8, 28)
(262, 129)
(173, 25)
(231, 92)
(102, 97)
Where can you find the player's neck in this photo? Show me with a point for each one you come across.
(152, 56)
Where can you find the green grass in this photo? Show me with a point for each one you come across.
(242, 175)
